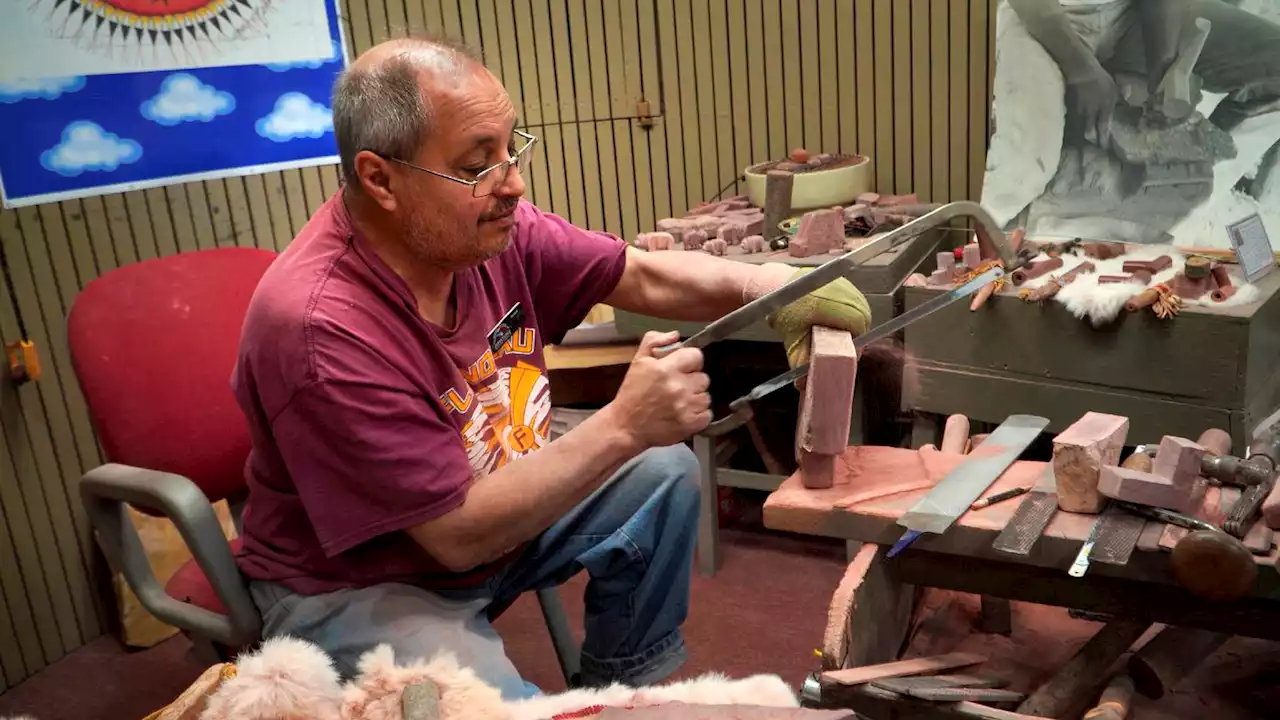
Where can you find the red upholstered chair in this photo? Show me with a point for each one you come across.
(154, 345)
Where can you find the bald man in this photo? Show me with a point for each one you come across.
(403, 487)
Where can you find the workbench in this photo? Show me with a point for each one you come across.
(880, 280)
(963, 559)
(1205, 367)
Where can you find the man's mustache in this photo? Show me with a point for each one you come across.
(504, 209)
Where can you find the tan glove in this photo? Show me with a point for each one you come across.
(837, 304)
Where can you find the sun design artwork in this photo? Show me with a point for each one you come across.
(174, 26)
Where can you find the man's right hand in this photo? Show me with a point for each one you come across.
(1091, 100)
(663, 400)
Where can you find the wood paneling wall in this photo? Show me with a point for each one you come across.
(729, 82)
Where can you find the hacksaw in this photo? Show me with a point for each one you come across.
(952, 496)
(762, 307)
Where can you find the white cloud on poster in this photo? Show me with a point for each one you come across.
(334, 55)
(39, 88)
(183, 98)
(85, 147)
(296, 116)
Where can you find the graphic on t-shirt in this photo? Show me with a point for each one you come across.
(507, 402)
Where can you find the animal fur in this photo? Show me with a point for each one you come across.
(291, 679)
(709, 689)
(375, 694)
(1102, 303)
(286, 679)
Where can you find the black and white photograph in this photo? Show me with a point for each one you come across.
(1145, 121)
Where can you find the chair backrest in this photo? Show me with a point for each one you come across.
(154, 345)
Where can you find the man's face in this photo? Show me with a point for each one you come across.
(442, 222)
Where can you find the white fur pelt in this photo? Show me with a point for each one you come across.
(709, 689)
(285, 678)
(1101, 303)
(289, 679)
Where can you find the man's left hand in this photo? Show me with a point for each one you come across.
(837, 304)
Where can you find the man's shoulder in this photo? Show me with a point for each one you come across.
(316, 299)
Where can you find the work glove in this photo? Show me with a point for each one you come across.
(837, 304)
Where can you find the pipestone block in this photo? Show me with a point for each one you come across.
(972, 255)
(715, 246)
(732, 233)
(1179, 460)
(1142, 488)
(694, 239)
(820, 231)
(1080, 453)
(946, 260)
(942, 277)
(753, 244)
(753, 224)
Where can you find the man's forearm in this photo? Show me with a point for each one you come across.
(1161, 30)
(1048, 24)
(515, 503)
(690, 286)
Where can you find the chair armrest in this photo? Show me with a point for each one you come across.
(107, 489)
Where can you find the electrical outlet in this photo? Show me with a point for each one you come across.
(24, 362)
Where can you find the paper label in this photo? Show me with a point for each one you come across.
(1253, 247)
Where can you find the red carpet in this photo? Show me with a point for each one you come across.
(763, 612)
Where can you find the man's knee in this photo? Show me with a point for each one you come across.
(672, 470)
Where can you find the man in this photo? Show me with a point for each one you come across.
(402, 485)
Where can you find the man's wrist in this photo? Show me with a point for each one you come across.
(614, 432)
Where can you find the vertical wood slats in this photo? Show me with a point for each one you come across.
(731, 83)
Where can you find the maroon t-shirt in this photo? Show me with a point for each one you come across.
(367, 420)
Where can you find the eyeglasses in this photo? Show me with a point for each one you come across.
(491, 178)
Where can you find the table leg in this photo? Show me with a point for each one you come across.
(870, 613)
(997, 616)
(709, 513)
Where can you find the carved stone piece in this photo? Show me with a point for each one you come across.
(715, 246)
(753, 244)
(694, 239)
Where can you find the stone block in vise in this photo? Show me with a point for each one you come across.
(1080, 453)
(822, 433)
(1144, 488)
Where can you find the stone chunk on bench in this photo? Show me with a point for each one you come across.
(1080, 453)
(1143, 488)
(1179, 460)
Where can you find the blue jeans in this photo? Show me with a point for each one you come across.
(634, 536)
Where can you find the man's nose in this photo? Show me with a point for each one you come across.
(513, 184)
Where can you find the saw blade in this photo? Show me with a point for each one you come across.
(879, 332)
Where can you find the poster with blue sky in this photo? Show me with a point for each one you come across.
(208, 107)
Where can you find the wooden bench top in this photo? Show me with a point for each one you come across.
(875, 485)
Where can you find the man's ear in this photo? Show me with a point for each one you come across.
(376, 179)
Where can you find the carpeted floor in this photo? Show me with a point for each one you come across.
(763, 612)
